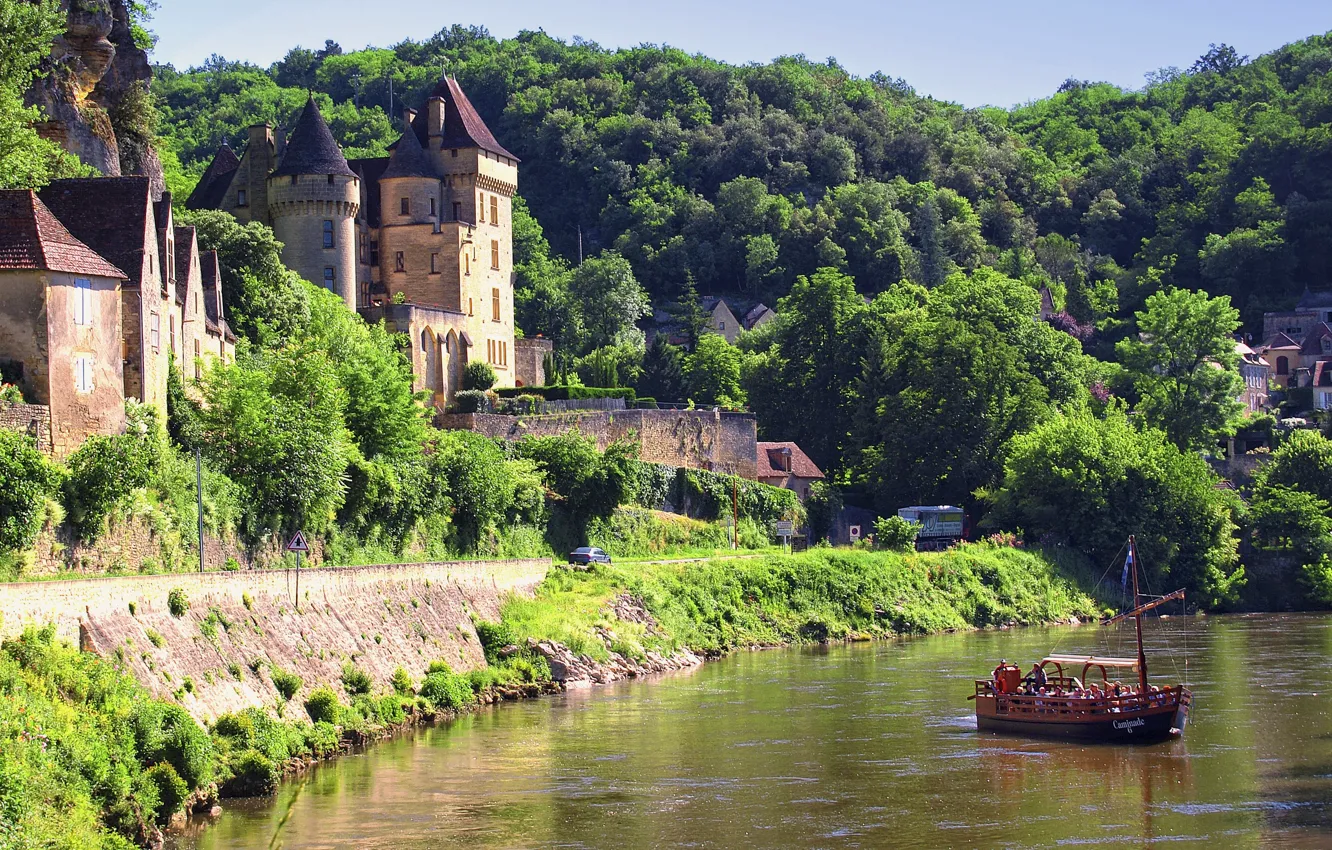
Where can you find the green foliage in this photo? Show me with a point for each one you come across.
(402, 682)
(29, 481)
(355, 680)
(1184, 366)
(483, 487)
(177, 602)
(253, 774)
(169, 789)
(478, 375)
(103, 473)
(323, 705)
(822, 506)
(286, 682)
(560, 393)
(1291, 513)
(446, 689)
(586, 483)
(712, 372)
(894, 534)
(470, 401)
(612, 301)
(1089, 483)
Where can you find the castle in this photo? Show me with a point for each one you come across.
(420, 239)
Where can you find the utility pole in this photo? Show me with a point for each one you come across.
(198, 496)
(580, 244)
(735, 511)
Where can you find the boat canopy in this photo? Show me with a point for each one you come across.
(1092, 661)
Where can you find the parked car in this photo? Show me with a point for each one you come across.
(588, 555)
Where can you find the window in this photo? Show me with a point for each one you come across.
(453, 153)
(328, 233)
(83, 373)
(504, 353)
(330, 179)
(457, 211)
(425, 340)
(361, 252)
(365, 294)
(494, 209)
(405, 206)
(495, 304)
(173, 334)
(1283, 366)
(494, 254)
(198, 363)
(241, 200)
(481, 208)
(399, 262)
(434, 263)
(82, 301)
(155, 331)
(467, 263)
(490, 351)
(721, 326)
(432, 207)
(374, 253)
(469, 306)
(328, 278)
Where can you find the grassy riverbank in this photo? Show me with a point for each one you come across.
(89, 759)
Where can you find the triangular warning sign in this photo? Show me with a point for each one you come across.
(298, 543)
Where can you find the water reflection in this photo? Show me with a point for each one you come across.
(864, 746)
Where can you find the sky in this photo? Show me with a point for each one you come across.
(974, 52)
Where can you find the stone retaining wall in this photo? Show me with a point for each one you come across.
(31, 419)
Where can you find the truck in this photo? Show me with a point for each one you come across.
(941, 526)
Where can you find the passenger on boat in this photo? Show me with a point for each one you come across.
(1037, 677)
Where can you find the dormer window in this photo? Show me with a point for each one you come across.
(1326, 344)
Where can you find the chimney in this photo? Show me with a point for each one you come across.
(435, 108)
(408, 115)
(261, 140)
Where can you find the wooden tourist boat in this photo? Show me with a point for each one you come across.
(1052, 702)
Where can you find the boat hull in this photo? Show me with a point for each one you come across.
(1128, 728)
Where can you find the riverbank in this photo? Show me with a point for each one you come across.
(88, 757)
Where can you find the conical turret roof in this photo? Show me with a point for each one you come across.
(409, 159)
(311, 148)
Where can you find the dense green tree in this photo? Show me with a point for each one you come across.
(588, 484)
(712, 372)
(662, 377)
(1089, 483)
(611, 300)
(1184, 365)
(29, 481)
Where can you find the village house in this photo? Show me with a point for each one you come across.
(420, 239)
(1254, 369)
(1282, 355)
(1310, 310)
(721, 320)
(60, 323)
(785, 465)
(760, 315)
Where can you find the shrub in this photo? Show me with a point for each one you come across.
(389, 710)
(155, 638)
(165, 732)
(171, 790)
(103, 472)
(323, 705)
(177, 602)
(563, 393)
(895, 534)
(29, 480)
(446, 689)
(287, 683)
(470, 401)
(253, 774)
(402, 682)
(478, 375)
(355, 680)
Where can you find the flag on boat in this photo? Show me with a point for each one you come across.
(1128, 562)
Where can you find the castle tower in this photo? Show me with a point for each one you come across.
(416, 259)
(313, 197)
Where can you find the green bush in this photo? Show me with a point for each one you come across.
(470, 401)
(177, 602)
(171, 790)
(323, 705)
(102, 474)
(895, 534)
(402, 682)
(446, 689)
(165, 732)
(478, 375)
(287, 683)
(253, 774)
(355, 680)
(563, 393)
(28, 480)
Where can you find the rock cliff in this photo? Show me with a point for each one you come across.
(93, 92)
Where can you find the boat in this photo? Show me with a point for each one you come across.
(1056, 699)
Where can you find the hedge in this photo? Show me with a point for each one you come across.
(708, 495)
(559, 393)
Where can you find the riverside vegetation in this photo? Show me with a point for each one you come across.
(88, 759)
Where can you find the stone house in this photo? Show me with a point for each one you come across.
(60, 323)
(1282, 355)
(219, 341)
(1254, 369)
(786, 465)
(420, 239)
(760, 315)
(721, 320)
(1312, 309)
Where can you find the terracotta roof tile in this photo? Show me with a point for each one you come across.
(1312, 344)
(31, 237)
(108, 214)
(463, 127)
(1281, 340)
(311, 148)
(771, 461)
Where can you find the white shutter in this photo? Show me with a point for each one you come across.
(83, 374)
(82, 301)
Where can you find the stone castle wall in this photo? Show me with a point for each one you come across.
(31, 419)
(695, 439)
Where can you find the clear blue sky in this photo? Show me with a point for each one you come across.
(971, 51)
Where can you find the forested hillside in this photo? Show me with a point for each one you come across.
(743, 178)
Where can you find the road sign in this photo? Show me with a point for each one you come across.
(298, 543)
(785, 528)
(854, 532)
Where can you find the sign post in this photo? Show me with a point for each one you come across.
(298, 545)
(785, 530)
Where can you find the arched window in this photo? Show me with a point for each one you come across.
(425, 340)
(1283, 366)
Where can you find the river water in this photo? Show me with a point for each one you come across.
(871, 745)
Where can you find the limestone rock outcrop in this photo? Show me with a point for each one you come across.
(92, 91)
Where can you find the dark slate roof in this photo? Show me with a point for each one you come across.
(408, 159)
(32, 238)
(771, 461)
(216, 179)
(108, 214)
(186, 251)
(754, 315)
(1312, 300)
(463, 127)
(1312, 341)
(370, 171)
(311, 148)
(211, 272)
(1281, 340)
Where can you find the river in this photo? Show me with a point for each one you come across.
(870, 745)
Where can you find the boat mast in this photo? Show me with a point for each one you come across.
(1137, 619)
